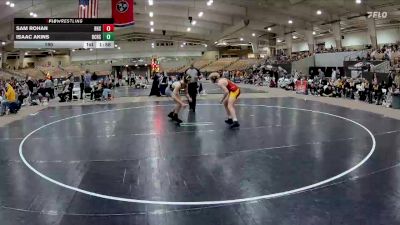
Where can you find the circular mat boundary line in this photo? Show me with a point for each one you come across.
(221, 202)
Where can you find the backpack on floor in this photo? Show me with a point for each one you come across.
(14, 107)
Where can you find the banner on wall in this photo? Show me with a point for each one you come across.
(123, 12)
(155, 66)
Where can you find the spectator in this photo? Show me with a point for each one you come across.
(65, 92)
(338, 75)
(375, 79)
(327, 91)
(30, 84)
(164, 83)
(378, 92)
(333, 76)
(397, 80)
(276, 77)
(296, 75)
(361, 90)
(94, 77)
(71, 87)
(87, 82)
(49, 87)
(82, 85)
(8, 98)
(23, 92)
(97, 91)
(155, 89)
(321, 74)
(132, 80)
(106, 91)
(368, 56)
(226, 74)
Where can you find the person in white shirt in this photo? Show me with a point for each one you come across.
(333, 77)
(172, 91)
(296, 75)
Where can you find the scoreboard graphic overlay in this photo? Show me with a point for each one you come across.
(63, 33)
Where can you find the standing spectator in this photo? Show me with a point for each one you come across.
(146, 78)
(311, 75)
(87, 80)
(338, 75)
(155, 89)
(163, 83)
(119, 78)
(194, 74)
(30, 85)
(226, 74)
(296, 75)
(70, 86)
(276, 77)
(132, 80)
(94, 76)
(390, 79)
(321, 74)
(82, 85)
(128, 78)
(333, 77)
(375, 79)
(48, 84)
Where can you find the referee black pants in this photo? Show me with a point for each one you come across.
(192, 90)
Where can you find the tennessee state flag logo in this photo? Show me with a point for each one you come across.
(123, 12)
(122, 6)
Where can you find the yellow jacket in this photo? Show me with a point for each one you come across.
(10, 94)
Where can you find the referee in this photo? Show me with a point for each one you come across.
(194, 74)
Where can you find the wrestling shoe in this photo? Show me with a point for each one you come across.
(235, 124)
(229, 121)
(176, 119)
(179, 121)
(171, 115)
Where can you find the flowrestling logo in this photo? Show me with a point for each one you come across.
(377, 15)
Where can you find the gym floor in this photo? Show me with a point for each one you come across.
(291, 162)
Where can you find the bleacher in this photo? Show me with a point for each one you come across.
(199, 64)
(172, 66)
(242, 64)
(55, 72)
(31, 72)
(102, 73)
(5, 75)
(219, 64)
(75, 70)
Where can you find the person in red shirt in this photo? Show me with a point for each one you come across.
(231, 94)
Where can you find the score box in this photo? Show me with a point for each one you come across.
(110, 36)
(108, 27)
